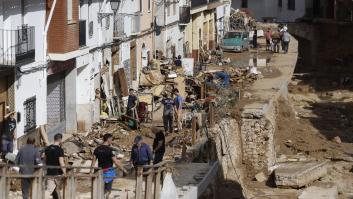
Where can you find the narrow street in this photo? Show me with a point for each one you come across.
(191, 99)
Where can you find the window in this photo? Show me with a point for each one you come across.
(90, 29)
(30, 113)
(69, 10)
(291, 4)
(244, 3)
(141, 5)
(149, 5)
(280, 3)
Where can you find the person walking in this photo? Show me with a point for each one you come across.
(254, 38)
(158, 145)
(268, 36)
(8, 135)
(276, 39)
(286, 40)
(168, 112)
(141, 153)
(132, 103)
(27, 157)
(178, 108)
(54, 156)
(106, 159)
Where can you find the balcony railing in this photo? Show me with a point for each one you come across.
(82, 33)
(184, 15)
(17, 46)
(198, 3)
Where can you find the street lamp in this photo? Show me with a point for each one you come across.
(115, 5)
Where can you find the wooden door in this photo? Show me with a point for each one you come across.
(133, 67)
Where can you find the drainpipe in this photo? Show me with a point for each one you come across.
(46, 30)
(165, 28)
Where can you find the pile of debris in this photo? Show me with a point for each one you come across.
(81, 146)
(241, 20)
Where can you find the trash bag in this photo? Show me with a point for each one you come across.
(169, 189)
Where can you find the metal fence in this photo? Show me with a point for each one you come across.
(17, 46)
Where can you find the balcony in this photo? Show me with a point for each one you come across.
(184, 15)
(17, 46)
(82, 33)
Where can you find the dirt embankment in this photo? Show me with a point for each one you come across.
(315, 123)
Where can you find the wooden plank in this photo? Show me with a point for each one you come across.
(149, 188)
(70, 187)
(193, 129)
(211, 115)
(44, 135)
(139, 183)
(97, 190)
(123, 82)
(3, 183)
(157, 186)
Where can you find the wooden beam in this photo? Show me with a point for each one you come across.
(193, 129)
(139, 182)
(149, 189)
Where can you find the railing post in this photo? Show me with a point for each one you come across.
(3, 182)
(98, 186)
(70, 186)
(139, 183)
(38, 184)
(149, 189)
(157, 185)
(193, 129)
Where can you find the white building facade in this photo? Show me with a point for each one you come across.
(171, 31)
(23, 60)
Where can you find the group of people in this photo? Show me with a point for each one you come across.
(53, 157)
(276, 38)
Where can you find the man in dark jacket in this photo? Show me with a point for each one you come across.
(158, 145)
(141, 153)
(27, 157)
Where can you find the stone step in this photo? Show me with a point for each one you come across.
(299, 174)
(322, 190)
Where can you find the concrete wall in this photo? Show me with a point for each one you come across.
(226, 135)
(322, 44)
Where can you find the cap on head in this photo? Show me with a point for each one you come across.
(137, 139)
